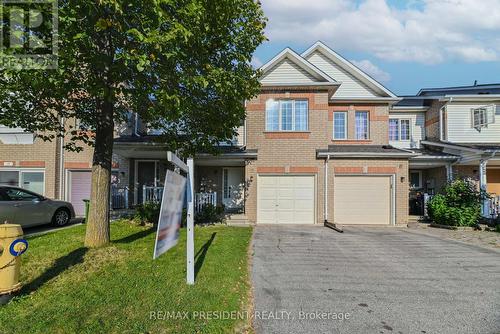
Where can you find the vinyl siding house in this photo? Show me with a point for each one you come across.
(461, 138)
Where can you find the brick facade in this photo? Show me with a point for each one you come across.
(284, 153)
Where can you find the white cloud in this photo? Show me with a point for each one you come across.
(425, 31)
(372, 70)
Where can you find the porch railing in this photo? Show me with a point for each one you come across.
(152, 194)
(202, 199)
(119, 197)
(494, 206)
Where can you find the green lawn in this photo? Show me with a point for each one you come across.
(71, 289)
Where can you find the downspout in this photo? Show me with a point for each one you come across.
(326, 188)
(61, 163)
(326, 222)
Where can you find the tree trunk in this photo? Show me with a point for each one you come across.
(97, 233)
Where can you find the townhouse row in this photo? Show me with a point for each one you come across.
(323, 141)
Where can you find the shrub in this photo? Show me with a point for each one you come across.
(210, 215)
(459, 205)
(148, 212)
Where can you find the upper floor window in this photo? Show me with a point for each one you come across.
(362, 130)
(399, 129)
(287, 115)
(340, 125)
(483, 116)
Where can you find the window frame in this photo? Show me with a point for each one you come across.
(420, 183)
(345, 113)
(488, 116)
(20, 179)
(356, 134)
(280, 115)
(399, 129)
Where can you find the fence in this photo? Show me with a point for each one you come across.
(119, 197)
(202, 199)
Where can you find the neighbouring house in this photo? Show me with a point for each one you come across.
(456, 131)
(323, 141)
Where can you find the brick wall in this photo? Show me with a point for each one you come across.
(38, 154)
(283, 153)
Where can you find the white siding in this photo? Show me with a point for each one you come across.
(351, 86)
(417, 120)
(287, 71)
(459, 124)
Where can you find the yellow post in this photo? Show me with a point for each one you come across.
(11, 247)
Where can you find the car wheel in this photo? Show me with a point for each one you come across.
(61, 217)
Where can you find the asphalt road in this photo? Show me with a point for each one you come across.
(378, 280)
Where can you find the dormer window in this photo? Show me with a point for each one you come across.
(483, 116)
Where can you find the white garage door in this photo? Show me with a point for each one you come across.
(285, 199)
(362, 200)
(79, 183)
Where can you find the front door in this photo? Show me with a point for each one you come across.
(233, 187)
(146, 176)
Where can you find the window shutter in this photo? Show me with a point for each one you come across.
(490, 114)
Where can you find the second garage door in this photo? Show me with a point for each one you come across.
(285, 199)
(362, 200)
(79, 189)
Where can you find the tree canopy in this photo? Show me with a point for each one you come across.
(182, 65)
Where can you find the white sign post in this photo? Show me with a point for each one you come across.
(189, 169)
(169, 221)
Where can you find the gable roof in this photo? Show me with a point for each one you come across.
(291, 57)
(349, 67)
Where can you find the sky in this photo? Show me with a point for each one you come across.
(405, 45)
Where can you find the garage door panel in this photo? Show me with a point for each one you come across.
(362, 200)
(79, 189)
(291, 197)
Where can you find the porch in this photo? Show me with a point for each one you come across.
(429, 173)
(218, 180)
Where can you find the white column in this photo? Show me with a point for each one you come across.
(190, 224)
(482, 186)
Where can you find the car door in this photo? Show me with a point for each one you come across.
(7, 208)
(30, 208)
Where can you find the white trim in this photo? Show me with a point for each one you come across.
(454, 147)
(21, 170)
(297, 59)
(409, 108)
(399, 129)
(368, 128)
(480, 97)
(67, 178)
(349, 66)
(365, 154)
(280, 118)
(420, 183)
(345, 125)
(135, 183)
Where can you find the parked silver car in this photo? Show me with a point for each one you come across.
(20, 206)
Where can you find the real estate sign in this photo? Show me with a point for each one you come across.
(170, 218)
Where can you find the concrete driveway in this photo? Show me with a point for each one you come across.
(379, 280)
